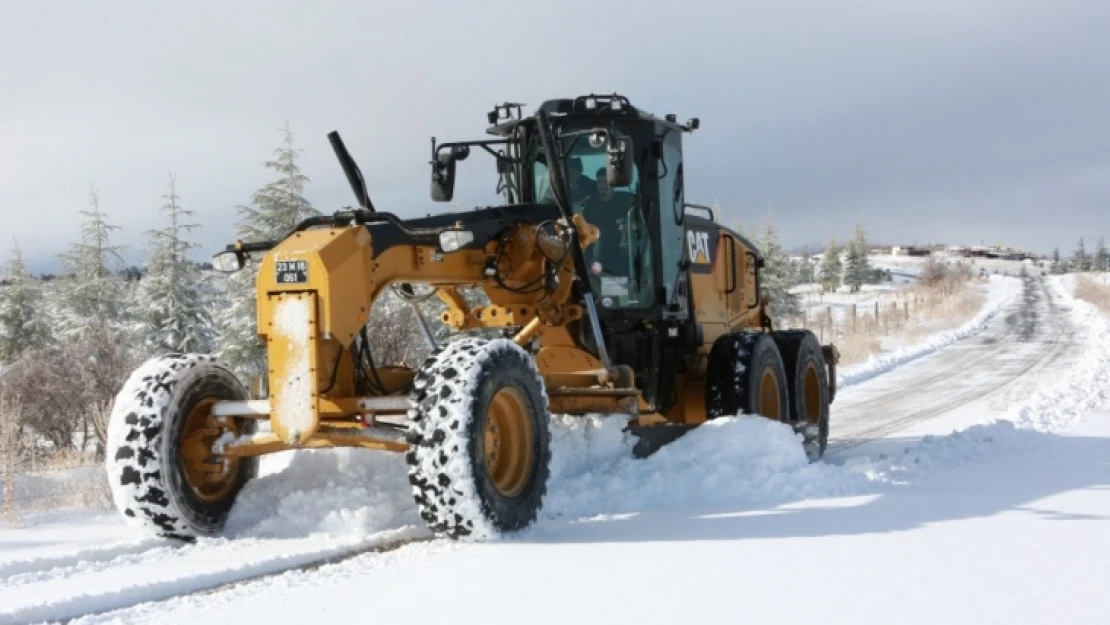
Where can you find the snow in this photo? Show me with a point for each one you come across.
(1002, 520)
(294, 409)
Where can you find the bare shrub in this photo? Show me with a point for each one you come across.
(940, 300)
(13, 453)
(63, 388)
(1093, 291)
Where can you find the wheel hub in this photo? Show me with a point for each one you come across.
(508, 442)
(209, 475)
(769, 395)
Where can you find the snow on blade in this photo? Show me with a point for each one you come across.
(294, 394)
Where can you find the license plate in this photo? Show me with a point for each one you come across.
(292, 271)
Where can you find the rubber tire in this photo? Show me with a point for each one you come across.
(143, 454)
(731, 386)
(800, 349)
(447, 469)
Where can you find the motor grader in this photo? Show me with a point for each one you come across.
(602, 292)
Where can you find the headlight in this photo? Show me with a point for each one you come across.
(451, 240)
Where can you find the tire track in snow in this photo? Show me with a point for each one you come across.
(969, 356)
(20, 604)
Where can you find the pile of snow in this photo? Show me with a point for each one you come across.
(336, 493)
(739, 459)
(999, 291)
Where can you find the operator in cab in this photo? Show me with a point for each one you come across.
(607, 209)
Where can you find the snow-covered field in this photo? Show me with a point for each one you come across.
(966, 483)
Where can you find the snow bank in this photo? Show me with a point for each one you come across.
(999, 291)
(740, 459)
(337, 493)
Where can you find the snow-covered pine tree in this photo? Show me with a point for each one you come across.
(171, 300)
(93, 295)
(776, 276)
(1080, 261)
(830, 270)
(807, 272)
(1057, 266)
(275, 209)
(1102, 256)
(23, 322)
(857, 268)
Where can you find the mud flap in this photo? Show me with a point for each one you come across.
(651, 438)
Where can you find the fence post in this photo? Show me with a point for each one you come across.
(853, 318)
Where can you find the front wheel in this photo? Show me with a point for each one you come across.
(479, 436)
(164, 475)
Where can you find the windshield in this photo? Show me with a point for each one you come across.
(619, 263)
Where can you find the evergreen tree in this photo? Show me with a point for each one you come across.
(275, 209)
(172, 301)
(94, 295)
(829, 271)
(278, 207)
(776, 275)
(807, 272)
(23, 323)
(1102, 257)
(1057, 266)
(857, 268)
(1080, 261)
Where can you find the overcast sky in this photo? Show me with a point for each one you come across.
(940, 120)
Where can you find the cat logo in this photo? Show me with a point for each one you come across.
(697, 244)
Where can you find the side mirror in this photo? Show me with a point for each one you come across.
(443, 177)
(443, 172)
(618, 169)
(227, 262)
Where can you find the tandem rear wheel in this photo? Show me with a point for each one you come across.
(780, 375)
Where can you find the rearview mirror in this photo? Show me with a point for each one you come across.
(443, 177)
(618, 169)
(227, 262)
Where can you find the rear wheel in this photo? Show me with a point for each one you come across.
(479, 436)
(808, 388)
(746, 376)
(164, 474)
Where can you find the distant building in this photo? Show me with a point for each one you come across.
(909, 250)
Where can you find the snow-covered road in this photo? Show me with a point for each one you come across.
(1027, 335)
(994, 524)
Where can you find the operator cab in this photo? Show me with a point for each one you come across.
(635, 266)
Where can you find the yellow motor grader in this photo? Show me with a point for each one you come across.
(604, 293)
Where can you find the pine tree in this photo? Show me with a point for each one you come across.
(829, 271)
(1080, 261)
(776, 275)
(857, 268)
(94, 295)
(173, 302)
(1057, 266)
(1102, 257)
(23, 323)
(275, 209)
(807, 272)
(279, 206)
